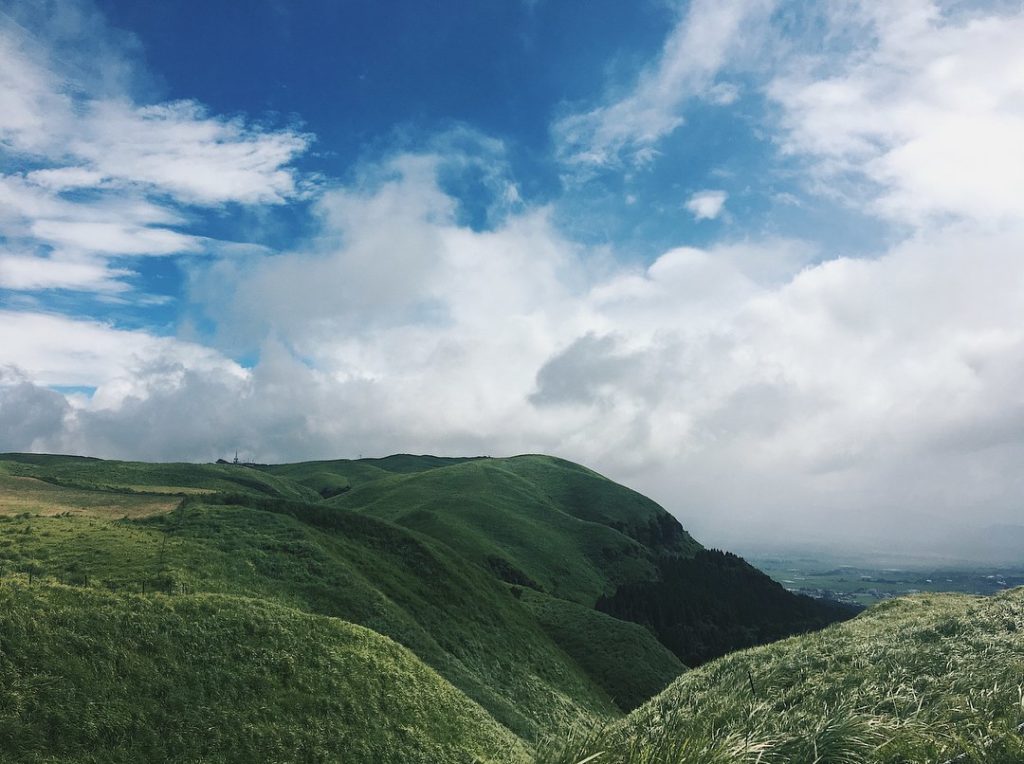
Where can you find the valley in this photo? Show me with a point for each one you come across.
(867, 581)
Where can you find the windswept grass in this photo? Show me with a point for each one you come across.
(452, 614)
(477, 579)
(88, 676)
(933, 678)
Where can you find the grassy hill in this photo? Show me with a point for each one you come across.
(453, 615)
(330, 478)
(89, 676)
(481, 572)
(929, 678)
(533, 520)
(623, 658)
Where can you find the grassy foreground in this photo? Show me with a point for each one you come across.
(87, 676)
(453, 615)
(932, 678)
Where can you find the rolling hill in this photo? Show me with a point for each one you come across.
(479, 577)
(533, 520)
(90, 676)
(927, 678)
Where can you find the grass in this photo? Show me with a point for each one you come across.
(329, 478)
(588, 496)
(452, 614)
(19, 495)
(89, 676)
(930, 678)
(498, 518)
(144, 477)
(400, 609)
(624, 659)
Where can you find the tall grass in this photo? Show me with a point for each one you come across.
(93, 677)
(933, 678)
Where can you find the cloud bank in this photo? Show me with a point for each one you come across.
(759, 386)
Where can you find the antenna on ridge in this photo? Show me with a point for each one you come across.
(236, 457)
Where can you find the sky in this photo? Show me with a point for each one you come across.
(762, 260)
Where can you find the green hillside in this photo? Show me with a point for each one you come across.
(584, 494)
(929, 678)
(623, 658)
(454, 616)
(88, 676)
(533, 520)
(481, 574)
(330, 478)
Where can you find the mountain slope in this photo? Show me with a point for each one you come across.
(932, 678)
(487, 570)
(704, 606)
(454, 616)
(559, 528)
(87, 676)
(534, 521)
(623, 658)
(329, 478)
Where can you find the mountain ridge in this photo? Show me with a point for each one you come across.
(487, 570)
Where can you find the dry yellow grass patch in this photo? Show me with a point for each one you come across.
(37, 497)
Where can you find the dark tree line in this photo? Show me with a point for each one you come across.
(715, 602)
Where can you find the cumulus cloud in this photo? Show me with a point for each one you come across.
(758, 386)
(840, 393)
(923, 106)
(31, 417)
(707, 205)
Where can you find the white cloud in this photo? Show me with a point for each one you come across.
(93, 138)
(65, 178)
(707, 204)
(112, 238)
(723, 93)
(926, 105)
(706, 38)
(176, 149)
(51, 349)
(66, 110)
(843, 394)
(756, 386)
(30, 272)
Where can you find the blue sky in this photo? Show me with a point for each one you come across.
(758, 258)
(367, 78)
